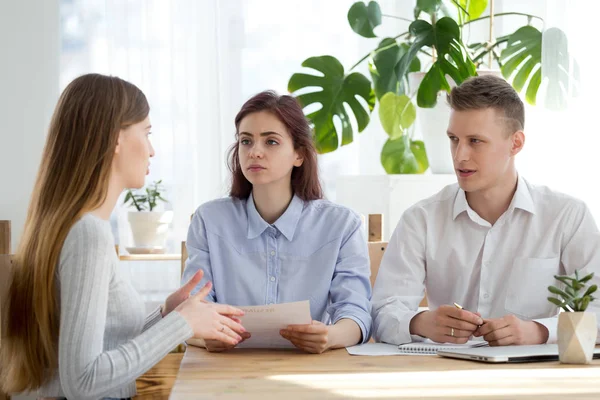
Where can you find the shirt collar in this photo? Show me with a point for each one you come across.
(286, 224)
(521, 199)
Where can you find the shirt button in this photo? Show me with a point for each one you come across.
(485, 296)
(272, 252)
(272, 279)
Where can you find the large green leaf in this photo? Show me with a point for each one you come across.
(437, 9)
(474, 8)
(562, 73)
(396, 114)
(382, 67)
(397, 156)
(430, 7)
(332, 91)
(452, 58)
(522, 61)
(363, 19)
(418, 149)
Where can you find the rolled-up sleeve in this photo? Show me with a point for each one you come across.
(350, 289)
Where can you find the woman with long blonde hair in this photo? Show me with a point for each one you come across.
(74, 327)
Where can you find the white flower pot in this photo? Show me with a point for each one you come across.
(577, 333)
(149, 228)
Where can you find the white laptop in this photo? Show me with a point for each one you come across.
(508, 354)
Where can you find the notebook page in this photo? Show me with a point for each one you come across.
(430, 347)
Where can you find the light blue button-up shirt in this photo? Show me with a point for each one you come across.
(315, 251)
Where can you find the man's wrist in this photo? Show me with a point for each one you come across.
(542, 332)
(414, 327)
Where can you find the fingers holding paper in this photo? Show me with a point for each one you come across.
(312, 338)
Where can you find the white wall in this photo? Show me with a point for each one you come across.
(29, 70)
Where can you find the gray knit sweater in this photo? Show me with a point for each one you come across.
(105, 342)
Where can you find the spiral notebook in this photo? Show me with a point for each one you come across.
(430, 347)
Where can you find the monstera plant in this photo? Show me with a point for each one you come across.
(434, 44)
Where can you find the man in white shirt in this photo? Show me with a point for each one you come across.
(491, 243)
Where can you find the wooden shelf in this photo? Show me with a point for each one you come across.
(150, 257)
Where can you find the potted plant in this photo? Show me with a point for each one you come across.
(149, 227)
(434, 51)
(577, 329)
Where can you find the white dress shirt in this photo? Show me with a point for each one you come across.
(443, 246)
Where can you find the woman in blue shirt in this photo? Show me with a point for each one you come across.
(275, 239)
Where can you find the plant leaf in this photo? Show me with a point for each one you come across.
(590, 290)
(474, 8)
(398, 158)
(334, 90)
(382, 67)
(452, 58)
(418, 149)
(396, 114)
(430, 7)
(522, 60)
(585, 302)
(363, 19)
(557, 302)
(555, 290)
(564, 279)
(563, 76)
(586, 278)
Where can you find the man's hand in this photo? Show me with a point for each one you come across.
(510, 330)
(447, 324)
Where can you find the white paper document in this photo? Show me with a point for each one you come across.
(265, 322)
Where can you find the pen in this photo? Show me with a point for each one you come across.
(462, 308)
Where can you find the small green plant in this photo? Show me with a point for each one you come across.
(570, 298)
(148, 199)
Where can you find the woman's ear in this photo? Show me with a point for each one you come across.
(299, 160)
(119, 138)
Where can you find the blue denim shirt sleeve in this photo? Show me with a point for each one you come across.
(350, 287)
(198, 255)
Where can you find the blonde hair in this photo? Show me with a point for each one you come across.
(489, 91)
(72, 180)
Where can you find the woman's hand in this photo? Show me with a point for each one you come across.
(211, 320)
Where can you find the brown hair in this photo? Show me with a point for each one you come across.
(72, 180)
(305, 178)
(489, 91)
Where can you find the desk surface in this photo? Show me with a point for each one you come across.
(290, 374)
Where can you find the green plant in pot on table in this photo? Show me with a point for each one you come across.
(149, 226)
(577, 329)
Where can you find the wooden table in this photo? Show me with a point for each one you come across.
(290, 374)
